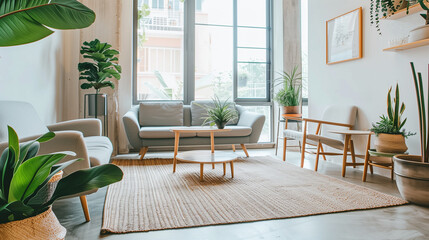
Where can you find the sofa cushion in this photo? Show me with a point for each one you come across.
(99, 150)
(161, 132)
(199, 113)
(236, 131)
(161, 114)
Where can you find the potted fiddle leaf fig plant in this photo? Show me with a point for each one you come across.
(412, 171)
(29, 184)
(289, 96)
(219, 113)
(389, 130)
(98, 73)
(28, 21)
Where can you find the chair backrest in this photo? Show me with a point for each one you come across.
(22, 117)
(339, 114)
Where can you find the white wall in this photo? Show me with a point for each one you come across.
(365, 82)
(32, 73)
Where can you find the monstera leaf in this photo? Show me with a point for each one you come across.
(26, 21)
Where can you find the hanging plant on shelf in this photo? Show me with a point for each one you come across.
(384, 8)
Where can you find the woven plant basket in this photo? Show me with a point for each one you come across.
(43, 226)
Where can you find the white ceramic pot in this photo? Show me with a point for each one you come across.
(419, 33)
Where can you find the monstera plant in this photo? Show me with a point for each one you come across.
(26, 21)
(24, 184)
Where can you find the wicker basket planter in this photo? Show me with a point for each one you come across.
(43, 226)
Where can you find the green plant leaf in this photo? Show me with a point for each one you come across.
(31, 174)
(27, 21)
(85, 180)
(86, 86)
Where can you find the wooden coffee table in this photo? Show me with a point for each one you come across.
(206, 157)
(201, 157)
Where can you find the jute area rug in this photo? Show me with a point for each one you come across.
(151, 197)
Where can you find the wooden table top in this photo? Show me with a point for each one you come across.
(352, 132)
(198, 129)
(294, 115)
(205, 156)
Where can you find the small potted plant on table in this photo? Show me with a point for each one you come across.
(389, 130)
(220, 113)
(289, 96)
(412, 172)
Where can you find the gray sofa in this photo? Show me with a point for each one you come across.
(149, 124)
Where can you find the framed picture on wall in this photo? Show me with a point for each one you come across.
(344, 37)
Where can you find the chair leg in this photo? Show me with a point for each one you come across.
(233, 147)
(317, 156)
(352, 151)
(244, 150)
(300, 147)
(284, 148)
(323, 155)
(85, 207)
(303, 152)
(143, 152)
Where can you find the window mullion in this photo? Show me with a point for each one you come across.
(235, 44)
(189, 52)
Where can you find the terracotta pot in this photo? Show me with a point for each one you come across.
(42, 226)
(390, 143)
(412, 178)
(419, 33)
(291, 109)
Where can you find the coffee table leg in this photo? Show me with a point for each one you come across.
(201, 172)
(224, 169)
(232, 169)
(176, 148)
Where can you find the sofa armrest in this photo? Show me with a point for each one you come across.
(89, 127)
(253, 120)
(132, 127)
(63, 141)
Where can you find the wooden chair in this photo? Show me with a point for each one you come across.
(334, 118)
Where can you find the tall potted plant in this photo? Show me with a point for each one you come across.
(412, 172)
(389, 130)
(289, 96)
(98, 72)
(25, 199)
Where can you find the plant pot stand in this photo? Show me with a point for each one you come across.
(96, 106)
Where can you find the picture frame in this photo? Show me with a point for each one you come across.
(344, 37)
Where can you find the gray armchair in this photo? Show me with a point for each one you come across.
(82, 136)
(143, 134)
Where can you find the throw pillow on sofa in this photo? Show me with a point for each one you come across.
(161, 114)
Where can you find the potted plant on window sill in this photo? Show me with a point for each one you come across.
(104, 65)
(289, 96)
(389, 130)
(412, 171)
(29, 184)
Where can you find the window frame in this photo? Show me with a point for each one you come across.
(189, 58)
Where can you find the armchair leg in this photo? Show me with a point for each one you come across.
(85, 207)
(233, 147)
(323, 155)
(346, 148)
(317, 156)
(143, 152)
(244, 150)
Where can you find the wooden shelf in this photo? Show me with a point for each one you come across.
(406, 46)
(403, 12)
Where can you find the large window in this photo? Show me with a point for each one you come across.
(198, 49)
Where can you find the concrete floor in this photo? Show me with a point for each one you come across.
(403, 222)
